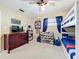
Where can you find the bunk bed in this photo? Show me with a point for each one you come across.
(68, 34)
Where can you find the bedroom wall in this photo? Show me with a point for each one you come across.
(6, 15)
(0, 29)
(32, 23)
(52, 16)
(52, 27)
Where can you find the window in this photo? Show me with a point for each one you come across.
(52, 22)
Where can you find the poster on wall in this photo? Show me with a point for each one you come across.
(37, 24)
(0, 27)
(15, 21)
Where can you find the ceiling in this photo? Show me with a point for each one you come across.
(33, 9)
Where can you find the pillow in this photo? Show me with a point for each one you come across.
(70, 46)
(64, 36)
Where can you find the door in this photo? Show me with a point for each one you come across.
(0, 30)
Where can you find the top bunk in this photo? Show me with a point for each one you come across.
(69, 20)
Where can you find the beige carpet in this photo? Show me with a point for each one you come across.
(35, 50)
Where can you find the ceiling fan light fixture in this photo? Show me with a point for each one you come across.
(42, 7)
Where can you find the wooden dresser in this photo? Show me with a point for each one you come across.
(14, 40)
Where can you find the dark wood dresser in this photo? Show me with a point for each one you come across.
(14, 40)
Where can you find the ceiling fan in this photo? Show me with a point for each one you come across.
(41, 3)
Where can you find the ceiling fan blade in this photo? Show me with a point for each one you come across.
(54, 0)
(32, 2)
(46, 1)
(53, 4)
(27, 0)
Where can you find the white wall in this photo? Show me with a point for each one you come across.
(0, 29)
(52, 27)
(6, 15)
(32, 23)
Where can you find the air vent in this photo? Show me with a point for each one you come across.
(21, 10)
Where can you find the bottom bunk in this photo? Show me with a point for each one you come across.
(69, 45)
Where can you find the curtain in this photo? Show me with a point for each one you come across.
(45, 24)
(58, 21)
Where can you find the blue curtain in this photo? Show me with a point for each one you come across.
(45, 24)
(59, 20)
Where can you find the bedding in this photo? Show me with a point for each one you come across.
(70, 46)
(72, 53)
(68, 42)
(72, 56)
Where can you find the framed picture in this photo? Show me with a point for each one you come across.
(37, 24)
(15, 21)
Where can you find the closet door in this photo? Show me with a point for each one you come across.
(77, 37)
(77, 29)
(0, 30)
